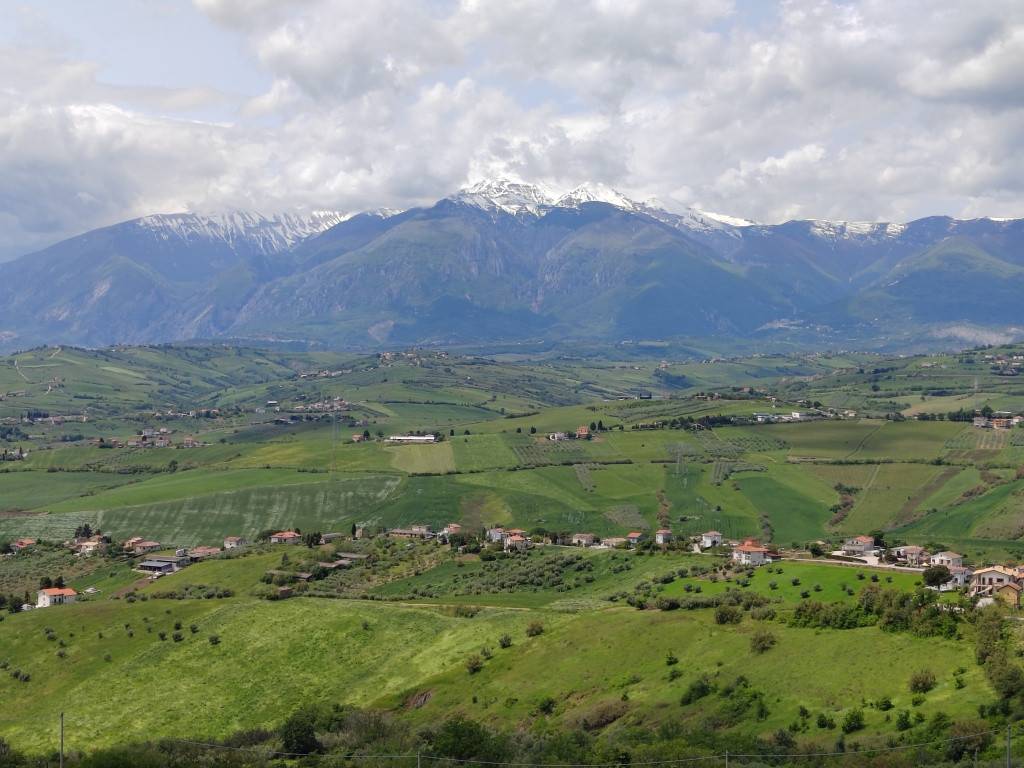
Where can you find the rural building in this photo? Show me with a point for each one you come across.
(146, 546)
(614, 541)
(234, 542)
(55, 596)
(557, 436)
(959, 576)
(414, 532)
(662, 536)
(582, 432)
(949, 559)
(201, 553)
(583, 539)
(912, 555)
(496, 535)
(412, 439)
(89, 546)
(516, 543)
(634, 537)
(163, 563)
(750, 552)
(859, 545)
(19, 544)
(710, 539)
(452, 529)
(285, 537)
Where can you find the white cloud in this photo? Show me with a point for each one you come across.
(849, 110)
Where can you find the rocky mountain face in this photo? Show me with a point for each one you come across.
(506, 261)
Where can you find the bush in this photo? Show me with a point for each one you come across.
(474, 664)
(762, 641)
(534, 629)
(505, 641)
(854, 721)
(697, 690)
(298, 733)
(214, 639)
(824, 721)
(903, 720)
(671, 659)
(728, 614)
(922, 681)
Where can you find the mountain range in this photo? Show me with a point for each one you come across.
(508, 261)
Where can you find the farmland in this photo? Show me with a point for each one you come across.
(281, 440)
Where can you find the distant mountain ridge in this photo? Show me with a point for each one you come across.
(506, 261)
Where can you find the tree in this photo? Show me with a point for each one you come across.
(298, 733)
(922, 681)
(762, 640)
(936, 575)
(854, 721)
(59, 582)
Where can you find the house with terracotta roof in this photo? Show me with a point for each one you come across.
(55, 596)
(234, 542)
(285, 537)
(710, 539)
(146, 546)
(750, 552)
(582, 432)
(452, 529)
(201, 553)
(662, 536)
(634, 537)
(912, 554)
(19, 544)
(516, 543)
(859, 545)
(583, 539)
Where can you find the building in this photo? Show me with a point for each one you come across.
(55, 596)
(163, 563)
(516, 543)
(412, 439)
(583, 539)
(710, 539)
(496, 535)
(614, 541)
(234, 542)
(557, 436)
(750, 552)
(414, 532)
(582, 432)
(19, 544)
(285, 537)
(634, 537)
(452, 529)
(146, 546)
(859, 545)
(949, 559)
(912, 555)
(201, 553)
(662, 536)
(89, 546)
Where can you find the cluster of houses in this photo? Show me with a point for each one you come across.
(998, 420)
(582, 433)
(148, 438)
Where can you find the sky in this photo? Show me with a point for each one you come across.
(872, 110)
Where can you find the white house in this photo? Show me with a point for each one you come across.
(55, 596)
(634, 538)
(234, 542)
(516, 543)
(710, 539)
(496, 535)
(859, 545)
(949, 559)
(412, 439)
(583, 539)
(912, 554)
(285, 537)
(662, 536)
(750, 552)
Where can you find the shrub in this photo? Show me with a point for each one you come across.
(697, 690)
(728, 614)
(486, 652)
(214, 639)
(671, 659)
(474, 664)
(854, 721)
(903, 720)
(922, 681)
(762, 641)
(193, 628)
(534, 629)
(824, 721)
(546, 705)
(177, 637)
(505, 641)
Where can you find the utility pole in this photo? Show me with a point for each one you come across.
(727, 758)
(61, 740)
(1009, 759)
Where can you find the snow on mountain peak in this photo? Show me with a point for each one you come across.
(263, 233)
(835, 230)
(505, 195)
(592, 192)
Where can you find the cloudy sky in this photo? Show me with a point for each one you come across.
(873, 110)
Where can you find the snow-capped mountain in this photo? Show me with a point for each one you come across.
(507, 196)
(254, 232)
(588, 263)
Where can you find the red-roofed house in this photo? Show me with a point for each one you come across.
(710, 539)
(516, 543)
(750, 552)
(19, 544)
(285, 537)
(634, 538)
(662, 536)
(55, 596)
